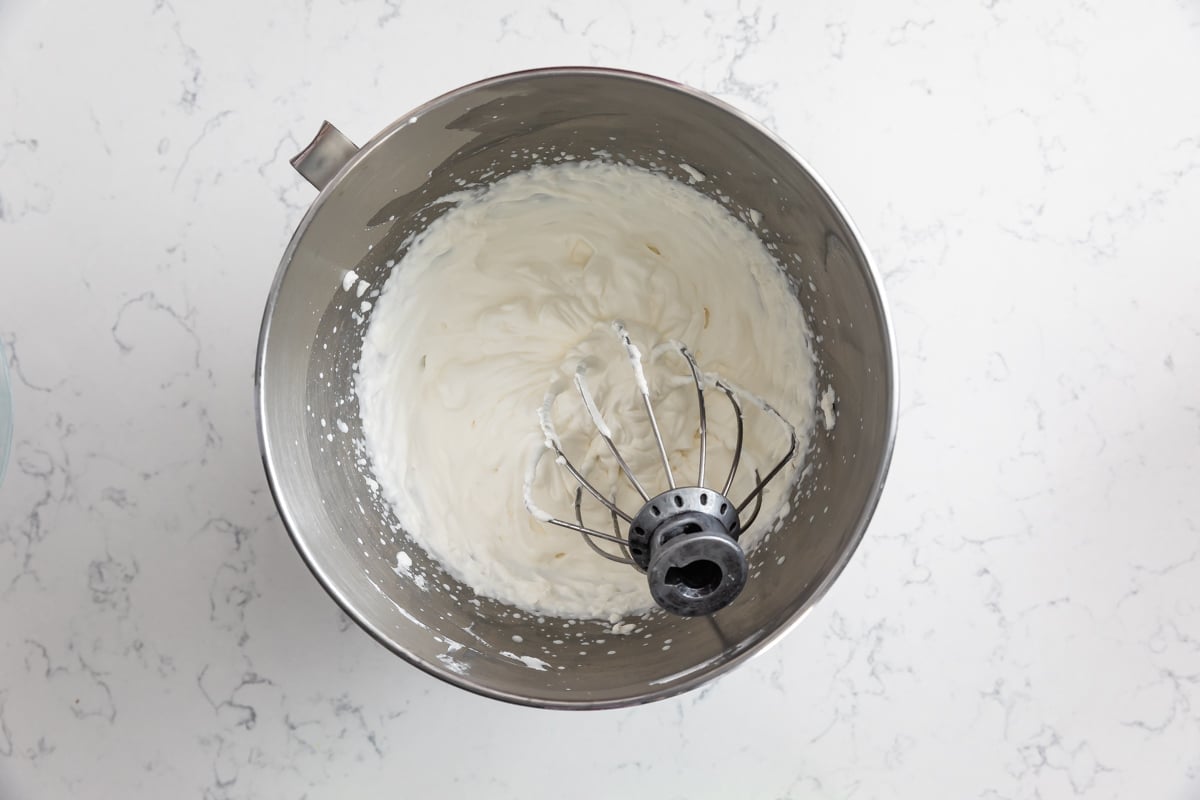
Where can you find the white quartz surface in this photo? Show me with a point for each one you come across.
(1023, 618)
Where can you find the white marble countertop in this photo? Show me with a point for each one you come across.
(1023, 618)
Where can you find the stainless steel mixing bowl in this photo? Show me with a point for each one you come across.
(373, 198)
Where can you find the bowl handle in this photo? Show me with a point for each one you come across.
(327, 153)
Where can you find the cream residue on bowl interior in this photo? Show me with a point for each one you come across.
(502, 299)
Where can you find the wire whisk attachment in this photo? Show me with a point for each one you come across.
(685, 539)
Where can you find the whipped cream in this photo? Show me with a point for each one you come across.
(496, 311)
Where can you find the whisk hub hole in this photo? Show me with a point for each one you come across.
(701, 575)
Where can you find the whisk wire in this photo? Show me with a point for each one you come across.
(757, 507)
(737, 449)
(617, 531)
(571, 526)
(605, 434)
(635, 358)
(587, 533)
(585, 483)
(703, 418)
(762, 484)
